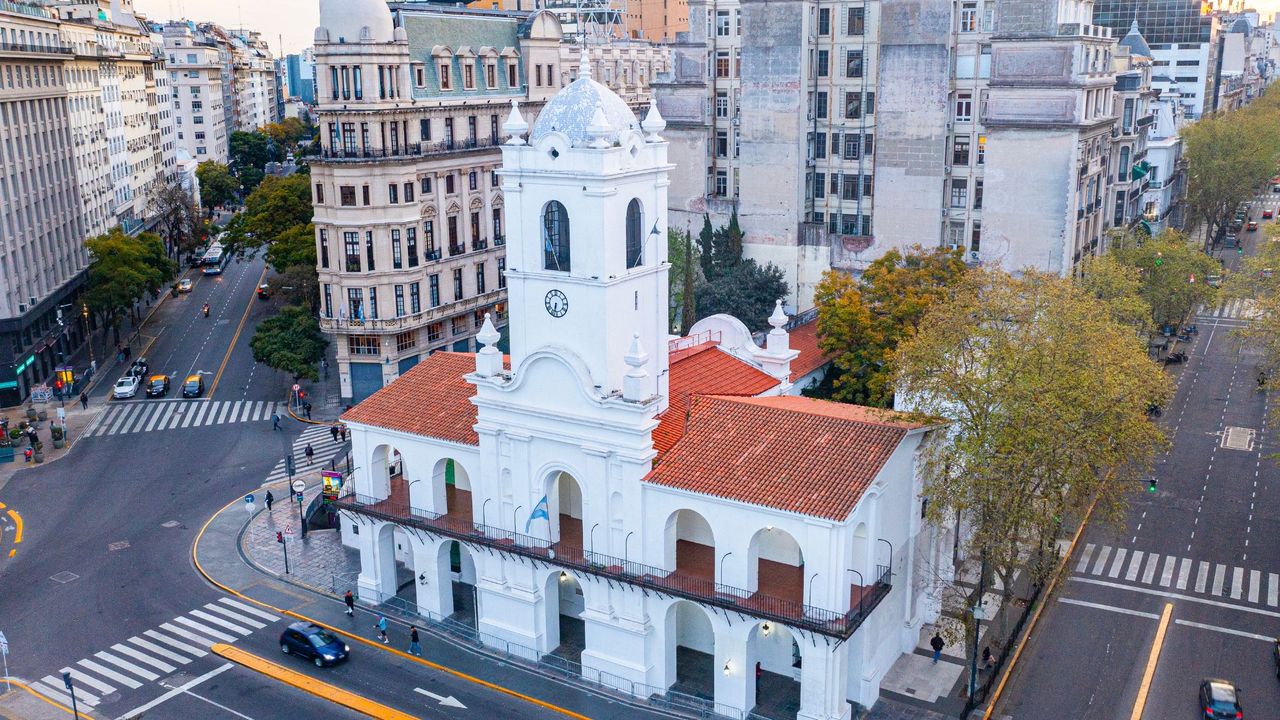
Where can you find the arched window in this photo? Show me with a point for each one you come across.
(555, 228)
(635, 230)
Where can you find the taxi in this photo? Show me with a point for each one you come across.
(158, 386)
(193, 387)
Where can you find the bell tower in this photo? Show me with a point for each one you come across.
(586, 202)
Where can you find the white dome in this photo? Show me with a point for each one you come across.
(347, 20)
(571, 110)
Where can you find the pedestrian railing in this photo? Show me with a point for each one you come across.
(757, 604)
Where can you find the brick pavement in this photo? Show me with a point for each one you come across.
(313, 560)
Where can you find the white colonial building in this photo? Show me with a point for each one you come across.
(662, 514)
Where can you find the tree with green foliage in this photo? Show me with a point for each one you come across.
(285, 134)
(706, 247)
(747, 291)
(122, 271)
(290, 342)
(275, 207)
(861, 323)
(217, 185)
(249, 150)
(682, 279)
(1120, 287)
(1173, 273)
(1044, 397)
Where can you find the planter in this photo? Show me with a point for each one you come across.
(42, 415)
(32, 414)
(59, 443)
(38, 456)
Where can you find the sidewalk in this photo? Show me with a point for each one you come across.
(78, 420)
(240, 553)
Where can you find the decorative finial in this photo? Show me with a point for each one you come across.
(635, 384)
(515, 126)
(585, 69)
(779, 318)
(489, 359)
(599, 129)
(653, 122)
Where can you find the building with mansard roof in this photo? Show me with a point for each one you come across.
(659, 514)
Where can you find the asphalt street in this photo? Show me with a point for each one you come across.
(1204, 541)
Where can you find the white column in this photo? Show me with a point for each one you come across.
(432, 579)
(735, 686)
(824, 677)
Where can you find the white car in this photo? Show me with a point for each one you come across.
(126, 387)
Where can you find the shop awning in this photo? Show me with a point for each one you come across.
(1140, 170)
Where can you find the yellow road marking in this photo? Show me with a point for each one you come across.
(54, 703)
(1152, 660)
(17, 522)
(308, 684)
(455, 673)
(239, 329)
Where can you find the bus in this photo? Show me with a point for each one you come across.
(214, 260)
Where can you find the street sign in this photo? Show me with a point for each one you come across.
(299, 497)
(4, 644)
(296, 387)
(250, 507)
(299, 486)
(248, 499)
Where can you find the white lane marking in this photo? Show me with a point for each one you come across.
(1118, 563)
(138, 711)
(1273, 589)
(249, 609)
(1111, 608)
(1149, 574)
(1228, 631)
(184, 633)
(216, 608)
(1202, 576)
(1219, 577)
(1101, 562)
(221, 622)
(109, 674)
(1135, 564)
(1255, 580)
(1178, 596)
(89, 680)
(1184, 570)
(195, 651)
(235, 413)
(161, 416)
(205, 630)
(152, 647)
(1166, 575)
(145, 658)
(53, 691)
(1237, 583)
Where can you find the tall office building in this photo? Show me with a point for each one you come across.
(42, 222)
(301, 73)
(195, 70)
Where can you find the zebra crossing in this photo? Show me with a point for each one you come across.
(1180, 573)
(320, 438)
(154, 654)
(153, 415)
(1233, 309)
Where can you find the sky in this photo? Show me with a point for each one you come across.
(295, 20)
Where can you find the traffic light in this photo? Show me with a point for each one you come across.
(1151, 485)
(288, 464)
(1159, 259)
(279, 537)
(1239, 250)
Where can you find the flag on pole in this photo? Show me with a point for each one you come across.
(541, 510)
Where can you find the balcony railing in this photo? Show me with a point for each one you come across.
(10, 47)
(478, 245)
(499, 240)
(433, 255)
(408, 150)
(407, 322)
(676, 584)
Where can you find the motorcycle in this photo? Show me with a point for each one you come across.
(1175, 358)
(206, 309)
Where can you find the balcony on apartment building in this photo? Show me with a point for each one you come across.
(778, 597)
(393, 325)
(407, 150)
(35, 49)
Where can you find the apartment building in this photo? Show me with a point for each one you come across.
(1134, 112)
(255, 82)
(657, 20)
(86, 113)
(42, 222)
(195, 68)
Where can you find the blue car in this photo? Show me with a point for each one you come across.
(314, 643)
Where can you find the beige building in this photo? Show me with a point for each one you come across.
(255, 82)
(42, 226)
(195, 77)
(657, 20)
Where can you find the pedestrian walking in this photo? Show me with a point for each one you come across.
(382, 628)
(275, 421)
(988, 659)
(350, 600)
(270, 499)
(342, 431)
(310, 454)
(306, 407)
(937, 644)
(84, 401)
(333, 430)
(414, 647)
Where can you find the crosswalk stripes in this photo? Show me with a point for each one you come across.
(1232, 309)
(155, 653)
(321, 440)
(1183, 574)
(127, 418)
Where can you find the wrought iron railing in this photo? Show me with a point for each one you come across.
(756, 604)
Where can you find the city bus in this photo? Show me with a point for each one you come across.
(214, 260)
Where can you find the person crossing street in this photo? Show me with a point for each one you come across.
(270, 499)
(311, 454)
(350, 600)
(275, 421)
(381, 626)
(333, 430)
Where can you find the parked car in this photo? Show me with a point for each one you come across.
(1253, 225)
(313, 643)
(1268, 214)
(158, 386)
(126, 387)
(185, 285)
(193, 387)
(264, 291)
(139, 368)
(1220, 699)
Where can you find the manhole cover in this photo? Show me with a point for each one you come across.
(1238, 438)
(64, 577)
(121, 545)
(170, 524)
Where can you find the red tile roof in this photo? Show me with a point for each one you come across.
(805, 339)
(431, 399)
(797, 454)
(704, 370)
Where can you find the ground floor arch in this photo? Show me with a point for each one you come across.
(774, 665)
(565, 603)
(455, 580)
(690, 650)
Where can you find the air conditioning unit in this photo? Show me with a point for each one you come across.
(953, 247)
(22, 307)
(33, 300)
(946, 170)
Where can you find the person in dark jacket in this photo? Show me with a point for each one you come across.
(414, 647)
(350, 600)
(937, 644)
(270, 499)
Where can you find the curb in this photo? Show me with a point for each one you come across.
(195, 560)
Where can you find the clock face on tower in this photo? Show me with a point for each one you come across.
(557, 304)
